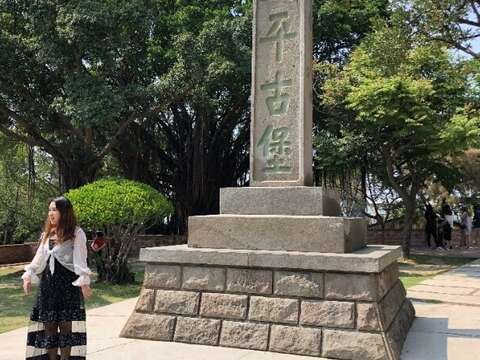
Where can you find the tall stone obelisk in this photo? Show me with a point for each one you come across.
(281, 128)
(279, 269)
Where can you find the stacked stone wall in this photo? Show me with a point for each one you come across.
(329, 314)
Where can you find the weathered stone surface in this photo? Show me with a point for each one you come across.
(203, 278)
(273, 310)
(278, 232)
(302, 284)
(197, 330)
(249, 281)
(351, 286)
(149, 326)
(388, 278)
(224, 306)
(398, 331)
(371, 259)
(162, 276)
(338, 314)
(367, 317)
(294, 200)
(244, 335)
(145, 301)
(350, 345)
(177, 302)
(391, 303)
(281, 128)
(295, 340)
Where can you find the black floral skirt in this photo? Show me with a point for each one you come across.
(57, 321)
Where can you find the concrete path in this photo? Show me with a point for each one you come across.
(472, 253)
(447, 326)
(448, 329)
(104, 325)
(459, 286)
(444, 332)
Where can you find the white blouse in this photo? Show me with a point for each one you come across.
(71, 253)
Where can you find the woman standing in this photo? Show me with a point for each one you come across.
(57, 321)
(447, 225)
(466, 227)
(430, 224)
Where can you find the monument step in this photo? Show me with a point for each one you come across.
(278, 232)
(370, 259)
(294, 200)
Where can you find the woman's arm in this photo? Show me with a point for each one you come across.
(80, 263)
(36, 266)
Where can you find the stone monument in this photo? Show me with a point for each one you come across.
(279, 269)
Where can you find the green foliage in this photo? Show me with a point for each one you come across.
(80, 77)
(26, 184)
(121, 209)
(403, 97)
(463, 130)
(453, 23)
(118, 202)
(338, 28)
(340, 25)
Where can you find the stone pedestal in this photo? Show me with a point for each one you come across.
(278, 269)
(277, 232)
(293, 200)
(297, 284)
(335, 306)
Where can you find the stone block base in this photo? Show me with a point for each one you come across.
(292, 200)
(332, 314)
(324, 234)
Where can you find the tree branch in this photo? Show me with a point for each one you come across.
(468, 22)
(457, 45)
(123, 126)
(475, 10)
(34, 138)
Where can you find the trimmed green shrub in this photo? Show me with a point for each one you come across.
(121, 209)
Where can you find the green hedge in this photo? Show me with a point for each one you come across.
(120, 202)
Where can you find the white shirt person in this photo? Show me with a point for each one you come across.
(71, 253)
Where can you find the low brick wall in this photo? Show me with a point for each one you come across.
(18, 253)
(22, 253)
(143, 241)
(394, 237)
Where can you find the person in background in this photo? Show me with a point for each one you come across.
(447, 224)
(466, 227)
(476, 216)
(430, 225)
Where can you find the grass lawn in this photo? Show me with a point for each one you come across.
(422, 267)
(15, 307)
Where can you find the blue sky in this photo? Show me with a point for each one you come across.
(476, 45)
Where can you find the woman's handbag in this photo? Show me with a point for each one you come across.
(99, 242)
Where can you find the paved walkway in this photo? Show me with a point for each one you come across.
(104, 325)
(472, 252)
(447, 326)
(447, 329)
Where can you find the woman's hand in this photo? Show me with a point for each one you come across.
(27, 286)
(86, 291)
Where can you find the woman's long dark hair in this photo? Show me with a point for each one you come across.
(67, 223)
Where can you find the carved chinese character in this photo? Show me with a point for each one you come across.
(278, 103)
(278, 33)
(276, 150)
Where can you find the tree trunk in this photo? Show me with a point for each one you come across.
(410, 204)
(76, 174)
